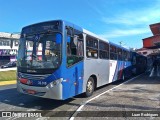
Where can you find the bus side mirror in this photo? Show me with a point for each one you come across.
(58, 38)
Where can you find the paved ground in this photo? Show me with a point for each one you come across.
(142, 93)
(11, 100)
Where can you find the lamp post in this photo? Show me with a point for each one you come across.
(12, 39)
(11, 44)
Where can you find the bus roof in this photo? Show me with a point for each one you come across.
(119, 46)
(94, 35)
(84, 31)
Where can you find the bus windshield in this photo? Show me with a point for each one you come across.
(40, 51)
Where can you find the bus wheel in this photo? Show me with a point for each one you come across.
(123, 77)
(89, 87)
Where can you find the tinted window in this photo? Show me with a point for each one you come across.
(119, 51)
(103, 50)
(113, 52)
(126, 55)
(91, 47)
(74, 47)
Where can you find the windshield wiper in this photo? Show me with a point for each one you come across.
(35, 56)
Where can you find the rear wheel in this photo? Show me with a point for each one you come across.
(89, 87)
(123, 77)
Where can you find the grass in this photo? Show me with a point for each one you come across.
(8, 75)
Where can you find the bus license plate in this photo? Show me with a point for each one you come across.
(31, 92)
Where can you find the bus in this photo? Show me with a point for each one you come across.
(59, 60)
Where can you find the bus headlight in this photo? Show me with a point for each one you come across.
(54, 83)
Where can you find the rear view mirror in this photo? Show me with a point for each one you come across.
(58, 38)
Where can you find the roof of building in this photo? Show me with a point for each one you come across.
(9, 35)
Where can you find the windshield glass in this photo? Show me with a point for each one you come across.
(40, 51)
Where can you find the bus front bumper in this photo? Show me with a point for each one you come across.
(51, 91)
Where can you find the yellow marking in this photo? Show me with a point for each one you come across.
(8, 82)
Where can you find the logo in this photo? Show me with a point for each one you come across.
(6, 114)
(36, 37)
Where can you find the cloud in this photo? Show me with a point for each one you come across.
(127, 21)
(139, 17)
(124, 32)
(131, 23)
(94, 7)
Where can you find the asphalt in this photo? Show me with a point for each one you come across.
(140, 94)
(11, 100)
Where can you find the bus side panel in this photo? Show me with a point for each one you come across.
(118, 69)
(140, 64)
(73, 80)
(113, 70)
(127, 69)
(97, 67)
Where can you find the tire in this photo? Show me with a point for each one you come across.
(123, 77)
(89, 87)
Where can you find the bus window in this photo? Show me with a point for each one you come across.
(91, 47)
(128, 56)
(103, 50)
(74, 48)
(113, 52)
(125, 58)
(119, 54)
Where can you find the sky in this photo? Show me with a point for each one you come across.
(125, 21)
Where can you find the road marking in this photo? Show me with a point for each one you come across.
(80, 108)
(152, 72)
(8, 82)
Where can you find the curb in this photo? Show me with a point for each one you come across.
(8, 82)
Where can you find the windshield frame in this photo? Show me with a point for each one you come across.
(27, 68)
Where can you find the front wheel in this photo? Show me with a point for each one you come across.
(89, 87)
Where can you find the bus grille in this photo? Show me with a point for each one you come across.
(33, 77)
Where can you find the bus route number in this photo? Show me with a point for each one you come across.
(42, 83)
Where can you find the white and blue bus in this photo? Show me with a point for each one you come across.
(58, 60)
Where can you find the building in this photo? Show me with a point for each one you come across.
(153, 41)
(8, 47)
(151, 45)
(148, 52)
